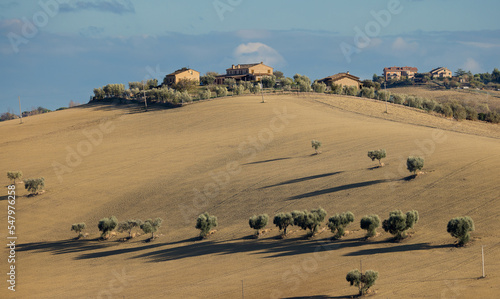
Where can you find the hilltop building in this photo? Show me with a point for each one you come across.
(344, 79)
(245, 72)
(396, 72)
(180, 74)
(441, 72)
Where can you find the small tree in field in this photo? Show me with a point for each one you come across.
(398, 223)
(362, 281)
(205, 223)
(414, 164)
(316, 145)
(151, 226)
(34, 185)
(106, 225)
(338, 223)
(14, 175)
(309, 220)
(258, 222)
(370, 223)
(78, 227)
(460, 228)
(128, 226)
(282, 221)
(377, 154)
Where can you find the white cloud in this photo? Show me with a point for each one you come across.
(257, 52)
(401, 45)
(472, 65)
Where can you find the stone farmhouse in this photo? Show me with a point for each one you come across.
(246, 72)
(441, 72)
(180, 74)
(344, 79)
(396, 72)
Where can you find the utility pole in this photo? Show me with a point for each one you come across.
(385, 88)
(262, 92)
(20, 112)
(144, 94)
(482, 255)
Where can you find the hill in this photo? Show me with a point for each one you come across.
(248, 158)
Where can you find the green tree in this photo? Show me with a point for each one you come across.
(286, 82)
(151, 226)
(282, 221)
(128, 226)
(239, 89)
(319, 87)
(351, 90)
(370, 223)
(414, 164)
(339, 222)
(279, 75)
(185, 85)
(460, 228)
(34, 185)
(316, 145)
(309, 220)
(205, 223)
(14, 175)
(336, 88)
(258, 222)
(367, 92)
(377, 154)
(398, 223)
(268, 81)
(99, 93)
(362, 281)
(78, 227)
(221, 91)
(383, 95)
(205, 94)
(106, 225)
(207, 79)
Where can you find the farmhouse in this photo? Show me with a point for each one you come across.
(180, 74)
(396, 72)
(344, 79)
(441, 72)
(246, 72)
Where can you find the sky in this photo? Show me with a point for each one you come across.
(56, 51)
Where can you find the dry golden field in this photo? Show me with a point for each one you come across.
(236, 157)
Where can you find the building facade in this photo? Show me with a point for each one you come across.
(396, 72)
(441, 72)
(183, 73)
(246, 72)
(344, 79)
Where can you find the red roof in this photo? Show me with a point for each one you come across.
(400, 69)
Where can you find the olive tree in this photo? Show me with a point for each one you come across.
(316, 145)
(282, 221)
(14, 175)
(151, 226)
(106, 225)
(319, 87)
(258, 222)
(378, 155)
(460, 228)
(78, 227)
(339, 222)
(34, 185)
(309, 220)
(128, 226)
(414, 164)
(398, 223)
(370, 223)
(362, 281)
(205, 223)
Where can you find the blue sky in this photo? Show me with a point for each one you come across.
(55, 51)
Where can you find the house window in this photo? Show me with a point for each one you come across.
(268, 71)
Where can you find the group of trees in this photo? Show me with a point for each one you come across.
(34, 186)
(108, 224)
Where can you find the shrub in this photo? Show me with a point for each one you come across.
(415, 102)
(398, 223)
(370, 223)
(239, 89)
(336, 88)
(459, 112)
(446, 110)
(316, 145)
(34, 185)
(128, 226)
(492, 117)
(460, 228)
(383, 95)
(429, 104)
(205, 94)
(351, 90)
(413, 164)
(258, 222)
(78, 227)
(106, 225)
(319, 87)
(254, 89)
(221, 91)
(471, 113)
(205, 223)
(367, 92)
(362, 281)
(399, 99)
(338, 223)
(151, 226)
(377, 154)
(14, 175)
(282, 221)
(309, 220)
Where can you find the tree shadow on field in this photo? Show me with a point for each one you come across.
(123, 104)
(65, 246)
(266, 161)
(320, 297)
(338, 188)
(5, 197)
(303, 179)
(401, 248)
